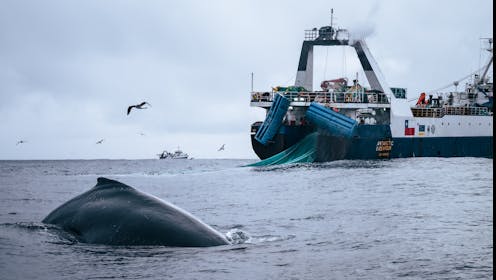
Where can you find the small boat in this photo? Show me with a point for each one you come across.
(178, 154)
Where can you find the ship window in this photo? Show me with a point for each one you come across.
(458, 123)
(442, 123)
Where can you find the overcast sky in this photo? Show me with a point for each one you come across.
(69, 69)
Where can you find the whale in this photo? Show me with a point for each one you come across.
(113, 213)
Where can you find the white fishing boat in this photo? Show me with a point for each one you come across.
(177, 154)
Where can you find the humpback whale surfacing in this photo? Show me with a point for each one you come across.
(113, 213)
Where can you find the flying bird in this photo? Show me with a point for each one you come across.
(99, 141)
(20, 142)
(221, 148)
(138, 106)
(141, 133)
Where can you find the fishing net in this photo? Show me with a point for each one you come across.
(301, 152)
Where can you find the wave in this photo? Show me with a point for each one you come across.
(57, 235)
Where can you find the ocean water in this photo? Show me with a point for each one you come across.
(417, 218)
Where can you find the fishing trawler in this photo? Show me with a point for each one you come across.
(347, 120)
(177, 154)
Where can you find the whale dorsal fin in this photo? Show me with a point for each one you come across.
(103, 182)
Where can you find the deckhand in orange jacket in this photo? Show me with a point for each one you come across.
(422, 100)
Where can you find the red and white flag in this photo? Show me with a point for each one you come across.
(409, 130)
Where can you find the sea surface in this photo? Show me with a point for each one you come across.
(417, 218)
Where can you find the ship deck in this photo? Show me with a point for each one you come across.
(355, 99)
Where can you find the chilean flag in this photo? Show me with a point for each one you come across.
(409, 130)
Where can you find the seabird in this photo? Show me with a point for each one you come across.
(138, 106)
(99, 141)
(20, 142)
(221, 148)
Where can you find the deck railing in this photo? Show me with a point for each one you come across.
(359, 96)
(449, 110)
(311, 35)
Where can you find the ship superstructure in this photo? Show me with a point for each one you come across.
(352, 121)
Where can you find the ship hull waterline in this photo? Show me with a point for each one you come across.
(331, 148)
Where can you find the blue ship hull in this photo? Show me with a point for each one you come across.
(286, 137)
(481, 146)
(375, 142)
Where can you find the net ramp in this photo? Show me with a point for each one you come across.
(334, 123)
(273, 121)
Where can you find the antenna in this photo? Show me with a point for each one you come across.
(332, 15)
(251, 81)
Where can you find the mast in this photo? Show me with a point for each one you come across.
(332, 15)
(490, 49)
(251, 81)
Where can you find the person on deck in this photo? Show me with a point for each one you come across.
(422, 101)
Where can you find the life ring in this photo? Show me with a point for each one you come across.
(335, 109)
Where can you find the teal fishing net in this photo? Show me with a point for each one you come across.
(301, 152)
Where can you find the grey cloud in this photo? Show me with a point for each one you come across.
(69, 69)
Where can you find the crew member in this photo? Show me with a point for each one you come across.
(422, 101)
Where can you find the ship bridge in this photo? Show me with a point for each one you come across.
(302, 93)
(329, 36)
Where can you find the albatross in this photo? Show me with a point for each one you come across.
(138, 106)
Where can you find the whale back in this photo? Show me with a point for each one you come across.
(117, 214)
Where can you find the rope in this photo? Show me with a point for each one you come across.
(457, 81)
